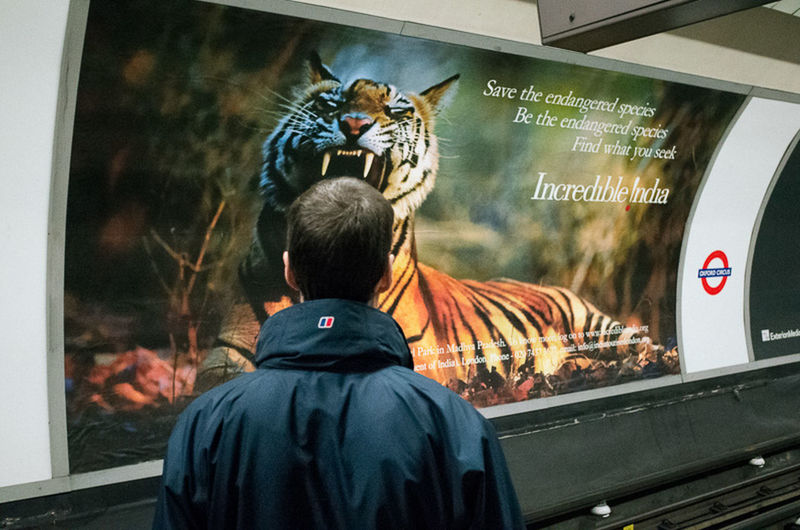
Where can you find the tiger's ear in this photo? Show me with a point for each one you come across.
(317, 71)
(439, 96)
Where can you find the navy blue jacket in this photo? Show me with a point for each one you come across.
(334, 430)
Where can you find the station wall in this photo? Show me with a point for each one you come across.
(32, 36)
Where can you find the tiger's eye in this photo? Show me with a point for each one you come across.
(397, 112)
(326, 104)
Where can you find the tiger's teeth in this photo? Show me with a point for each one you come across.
(326, 160)
(368, 163)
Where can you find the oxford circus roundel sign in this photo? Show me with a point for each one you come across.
(719, 272)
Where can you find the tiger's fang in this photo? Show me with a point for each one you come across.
(326, 160)
(368, 163)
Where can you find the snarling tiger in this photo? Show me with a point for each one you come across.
(466, 334)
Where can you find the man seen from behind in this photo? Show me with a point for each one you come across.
(335, 429)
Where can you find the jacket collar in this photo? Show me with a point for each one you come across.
(332, 335)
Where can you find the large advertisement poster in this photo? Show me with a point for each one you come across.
(540, 208)
(774, 277)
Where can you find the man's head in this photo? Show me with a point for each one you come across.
(339, 234)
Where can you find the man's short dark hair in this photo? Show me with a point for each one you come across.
(339, 233)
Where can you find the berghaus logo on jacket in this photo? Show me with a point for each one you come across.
(325, 323)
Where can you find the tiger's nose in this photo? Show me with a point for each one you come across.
(355, 125)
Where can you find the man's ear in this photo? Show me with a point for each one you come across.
(386, 280)
(288, 274)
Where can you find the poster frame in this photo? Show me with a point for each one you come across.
(72, 54)
(61, 480)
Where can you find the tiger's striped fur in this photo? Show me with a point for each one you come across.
(458, 330)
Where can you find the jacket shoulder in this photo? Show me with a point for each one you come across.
(433, 395)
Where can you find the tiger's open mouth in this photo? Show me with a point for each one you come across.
(358, 163)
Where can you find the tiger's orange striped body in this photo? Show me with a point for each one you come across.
(457, 329)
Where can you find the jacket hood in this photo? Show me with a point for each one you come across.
(331, 335)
